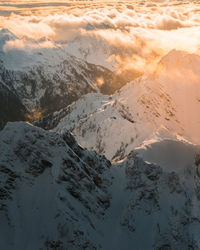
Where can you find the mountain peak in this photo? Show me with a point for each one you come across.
(180, 59)
(6, 35)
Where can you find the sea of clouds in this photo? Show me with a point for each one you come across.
(140, 32)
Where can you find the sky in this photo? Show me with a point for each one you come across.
(140, 31)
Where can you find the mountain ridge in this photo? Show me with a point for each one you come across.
(56, 195)
(114, 125)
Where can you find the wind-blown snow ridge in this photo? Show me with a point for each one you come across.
(56, 195)
(115, 125)
(52, 191)
(160, 197)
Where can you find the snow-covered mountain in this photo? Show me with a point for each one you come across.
(53, 193)
(157, 192)
(163, 103)
(56, 195)
(48, 79)
(98, 52)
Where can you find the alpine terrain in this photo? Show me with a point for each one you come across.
(98, 150)
(56, 195)
(43, 80)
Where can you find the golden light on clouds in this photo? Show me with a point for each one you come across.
(139, 32)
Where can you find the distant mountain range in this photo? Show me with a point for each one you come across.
(46, 80)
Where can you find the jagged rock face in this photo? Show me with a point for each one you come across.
(11, 107)
(56, 195)
(51, 88)
(47, 80)
(48, 88)
(52, 192)
(115, 125)
(155, 206)
(51, 78)
(162, 204)
(152, 104)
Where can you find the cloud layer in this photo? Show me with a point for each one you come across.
(139, 32)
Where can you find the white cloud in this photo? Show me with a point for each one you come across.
(140, 32)
(20, 44)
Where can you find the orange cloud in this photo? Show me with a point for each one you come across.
(138, 34)
(26, 45)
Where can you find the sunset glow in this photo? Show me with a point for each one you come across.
(143, 30)
(100, 125)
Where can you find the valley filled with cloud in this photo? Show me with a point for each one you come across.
(138, 32)
(100, 125)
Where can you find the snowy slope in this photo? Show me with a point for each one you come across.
(163, 103)
(180, 78)
(52, 192)
(93, 50)
(155, 201)
(56, 195)
(49, 79)
(115, 125)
